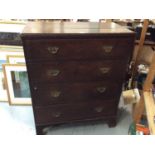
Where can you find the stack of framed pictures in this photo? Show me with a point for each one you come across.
(14, 86)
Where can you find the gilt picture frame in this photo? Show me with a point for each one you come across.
(15, 59)
(17, 84)
(4, 51)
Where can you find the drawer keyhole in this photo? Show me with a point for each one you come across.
(35, 88)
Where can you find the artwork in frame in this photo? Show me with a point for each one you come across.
(4, 51)
(17, 84)
(11, 48)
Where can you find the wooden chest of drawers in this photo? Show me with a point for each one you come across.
(76, 70)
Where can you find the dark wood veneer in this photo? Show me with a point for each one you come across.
(77, 49)
(73, 92)
(74, 71)
(67, 113)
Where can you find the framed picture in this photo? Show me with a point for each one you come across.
(11, 48)
(4, 51)
(17, 84)
(17, 59)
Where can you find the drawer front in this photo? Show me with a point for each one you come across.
(66, 113)
(54, 94)
(65, 49)
(77, 71)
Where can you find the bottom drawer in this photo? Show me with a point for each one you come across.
(66, 113)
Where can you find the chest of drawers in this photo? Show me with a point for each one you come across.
(76, 70)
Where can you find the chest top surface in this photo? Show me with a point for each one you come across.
(74, 28)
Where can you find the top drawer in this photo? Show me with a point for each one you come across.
(64, 49)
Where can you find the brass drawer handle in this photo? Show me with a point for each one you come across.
(107, 48)
(56, 114)
(99, 109)
(53, 50)
(55, 93)
(101, 89)
(104, 70)
(53, 72)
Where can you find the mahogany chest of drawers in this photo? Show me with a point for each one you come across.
(76, 70)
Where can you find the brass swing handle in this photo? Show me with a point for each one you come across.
(104, 70)
(53, 50)
(53, 72)
(99, 109)
(101, 89)
(107, 48)
(56, 114)
(55, 93)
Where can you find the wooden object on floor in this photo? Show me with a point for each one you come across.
(150, 110)
(148, 97)
(141, 42)
(138, 110)
(147, 101)
(151, 76)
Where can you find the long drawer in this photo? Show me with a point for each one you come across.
(71, 93)
(76, 71)
(78, 49)
(85, 110)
